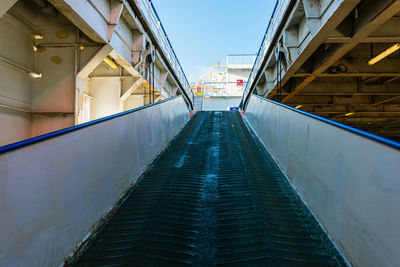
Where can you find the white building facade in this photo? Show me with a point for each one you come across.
(225, 85)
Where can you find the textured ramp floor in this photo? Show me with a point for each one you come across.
(213, 197)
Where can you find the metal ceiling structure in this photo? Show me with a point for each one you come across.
(315, 57)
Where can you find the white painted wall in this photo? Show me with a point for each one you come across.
(56, 99)
(15, 126)
(350, 182)
(15, 85)
(106, 94)
(47, 123)
(169, 89)
(52, 192)
(238, 74)
(106, 86)
(54, 92)
(233, 75)
(220, 103)
(133, 101)
(5, 5)
(45, 97)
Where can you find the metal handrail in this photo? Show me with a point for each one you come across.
(277, 14)
(240, 59)
(150, 14)
(44, 137)
(376, 138)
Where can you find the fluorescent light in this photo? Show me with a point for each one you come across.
(384, 54)
(349, 114)
(37, 36)
(110, 63)
(299, 106)
(35, 75)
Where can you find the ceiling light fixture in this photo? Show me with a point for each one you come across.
(37, 36)
(110, 62)
(35, 75)
(384, 54)
(349, 114)
(299, 106)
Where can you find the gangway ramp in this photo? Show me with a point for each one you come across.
(213, 197)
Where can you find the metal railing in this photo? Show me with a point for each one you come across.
(240, 59)
(154, 22)
(228, 89)
(277, 14)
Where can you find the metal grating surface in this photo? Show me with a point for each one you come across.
(213, 197)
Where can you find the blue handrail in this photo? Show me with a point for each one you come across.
(166, 35)
(260, 49)
(371, 136)
(186, 82)
(47, 136)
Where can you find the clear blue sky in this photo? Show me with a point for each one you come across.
(205, 31)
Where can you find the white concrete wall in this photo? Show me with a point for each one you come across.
(48, 101)
(106, 97)
(52, 192)
(238, 74)
(169, 89)
(15, 126)
(220, 103)
(233, 76)
(133, 101)
(15, 85)
(54, 92)
(46, 123)
(6, 5)
(350, 182)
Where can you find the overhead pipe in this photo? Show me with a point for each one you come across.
(14, 108)
(29, 71)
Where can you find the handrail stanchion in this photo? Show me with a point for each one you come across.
(165, 44)
(264, 46)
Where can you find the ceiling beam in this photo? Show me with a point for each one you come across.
(354, 105)
(338, 16)
(115, 14)
(389, 122)
(388, 33)
(5, 6)
(360, 112)
(365, 119)
(354, 74)
(391, 80)
(368, 106)
(345, 93)
(364, 30)
(131, 89)
(371, 39)
(94, 61)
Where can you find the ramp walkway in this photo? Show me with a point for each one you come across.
(214, 196)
